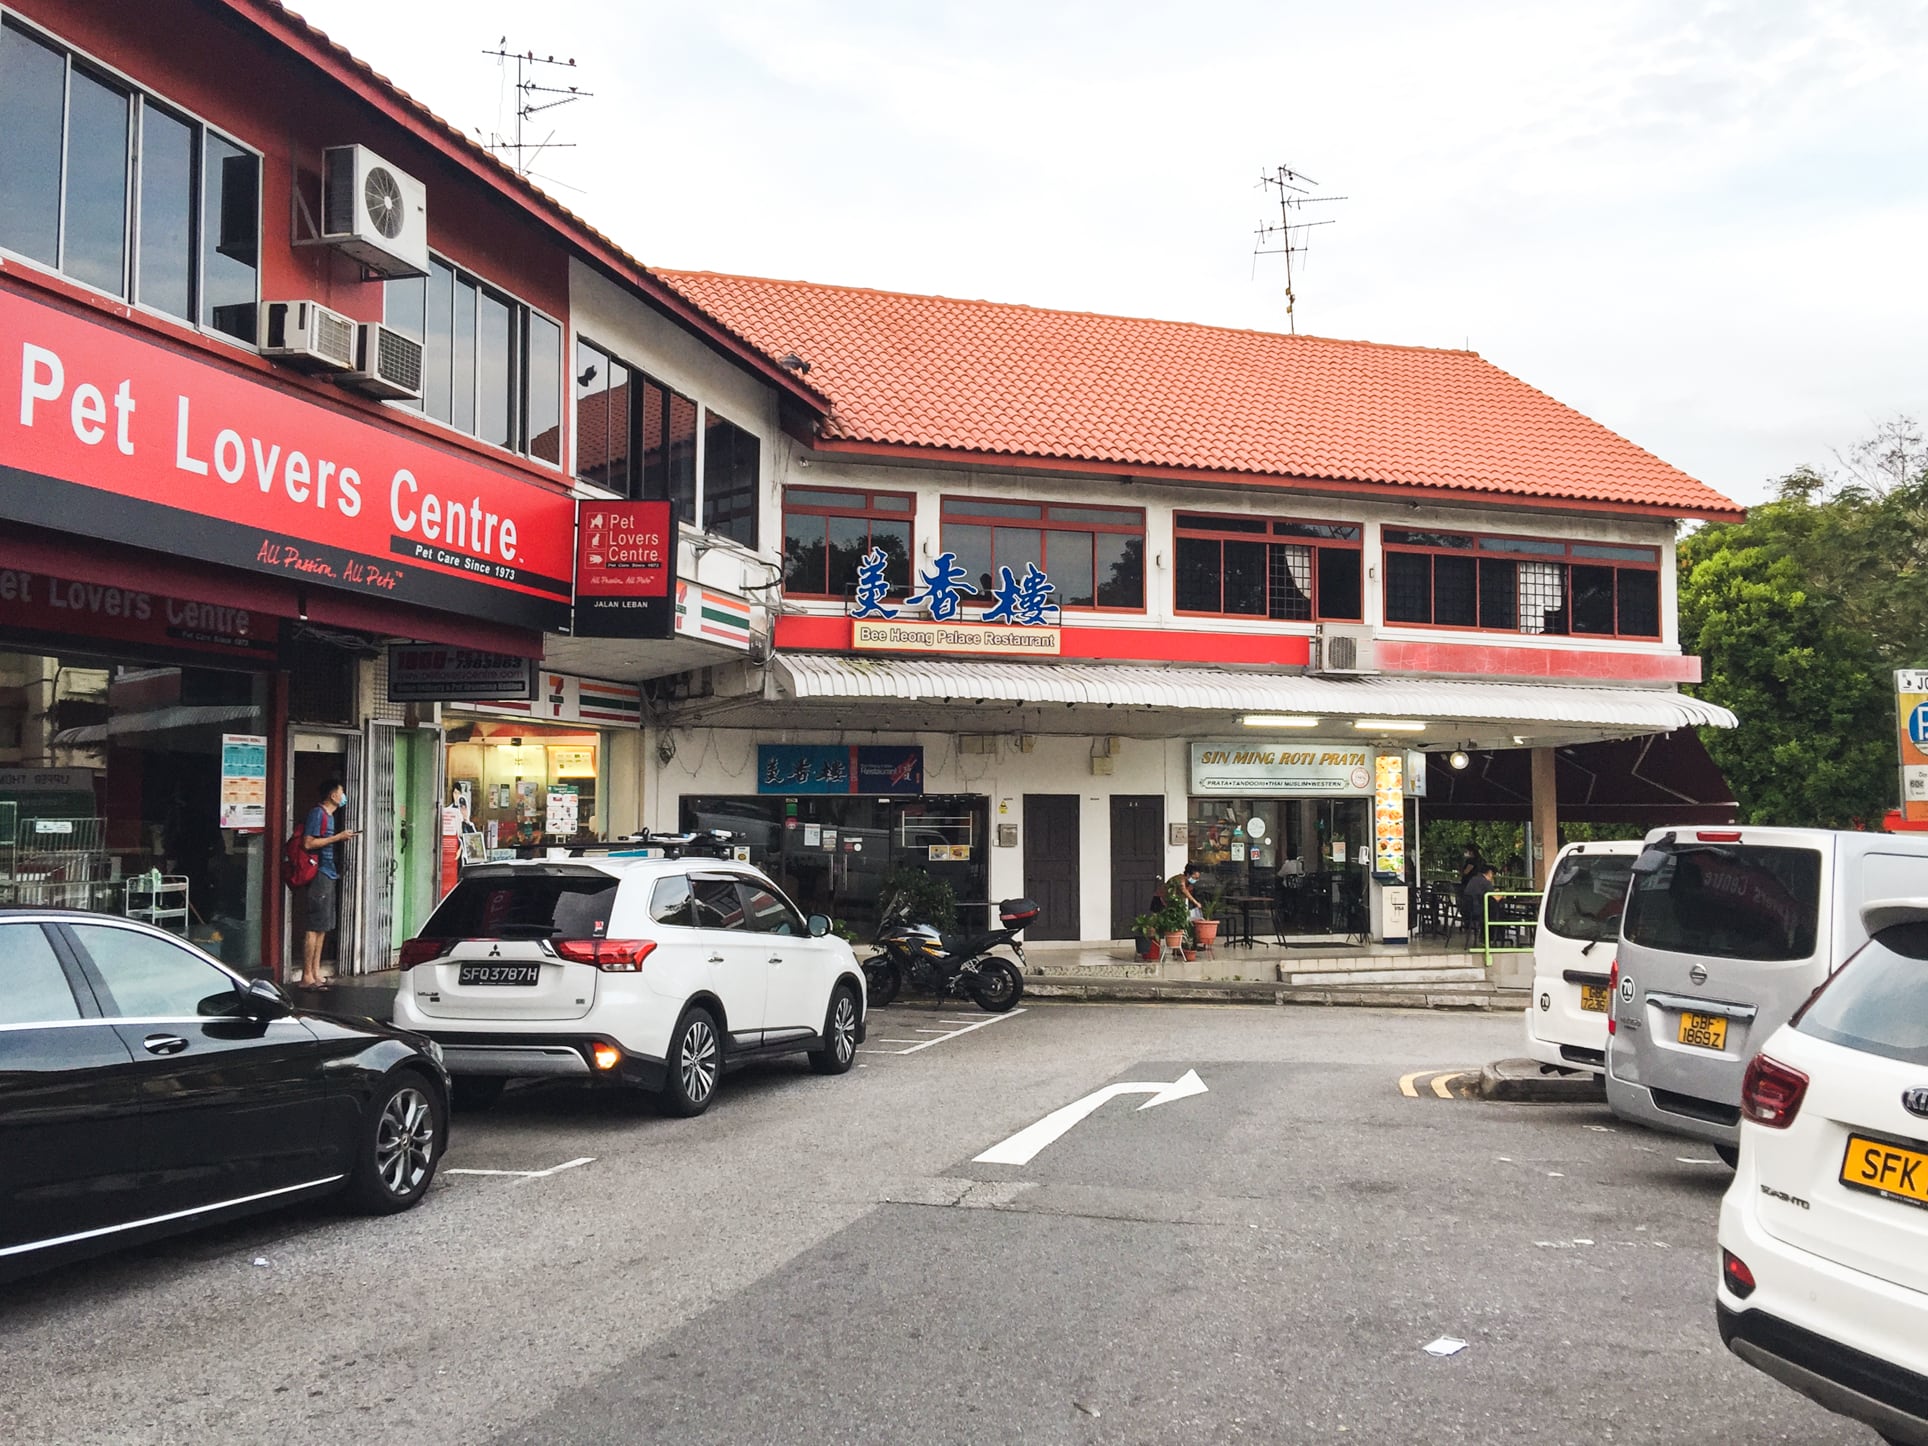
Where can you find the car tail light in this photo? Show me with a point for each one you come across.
(1771, 1093)
(1718, 836)
(1613, 994)
(1734, 1271)
(612, 956)
(420, 951)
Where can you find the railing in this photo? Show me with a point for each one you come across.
(1515, 924)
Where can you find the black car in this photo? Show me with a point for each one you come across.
(146, 1089)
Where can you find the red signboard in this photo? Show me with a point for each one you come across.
(625, 569)
(40, 603)
(110, 435)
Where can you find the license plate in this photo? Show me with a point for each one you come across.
(499, 974)
(1886, 1169)
(1593, 998)
(1703, 1031)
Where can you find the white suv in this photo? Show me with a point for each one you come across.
(652, 972)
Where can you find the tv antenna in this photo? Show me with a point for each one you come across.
(1296, 191)
(527, 90)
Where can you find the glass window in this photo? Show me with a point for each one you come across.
(462, 358)
(1542, 597)
(230, 238)
(1094, 556)
(1227, 566)
(1068, 560)
(765, 913)
(166, 258)
(95, 247)
(717, 904)
(494, 371)
(1245, 579)
(1120, 562)
(150, 978)
(438, 342)
(33, 92)
(1499, 594)
(681, 458)
(1340, 591)
(730, 481)
(1639, 592)
(33, 990)
(669, 902)
(1877, 1003)
(525, 904)
(1587, 894)
(1726, 901)
(1290, 582)
(543, 372)
(1016, 548)
(1409, 587)
(1592, 599)
(602, 419)
(1455, 592)
(1196, 579)
(972, 546)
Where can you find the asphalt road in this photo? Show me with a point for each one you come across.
(824, 1260)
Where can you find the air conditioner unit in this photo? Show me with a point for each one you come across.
(387, 364)
(1341, 650)
(308, 334)
(374, 212)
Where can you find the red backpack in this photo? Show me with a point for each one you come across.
(299, 865)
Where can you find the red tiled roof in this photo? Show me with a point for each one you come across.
(1022, 382)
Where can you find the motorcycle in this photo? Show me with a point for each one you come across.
(960, 965)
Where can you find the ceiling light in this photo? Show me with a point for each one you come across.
(1278, 720)
(1458, 758)
(1388, 725)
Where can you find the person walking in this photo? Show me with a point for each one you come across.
(319, 836)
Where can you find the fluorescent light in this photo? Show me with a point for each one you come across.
(1388, 725)
(1278, 720)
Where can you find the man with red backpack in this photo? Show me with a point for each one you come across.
(317, 910)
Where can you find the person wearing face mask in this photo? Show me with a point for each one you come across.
(320, 836)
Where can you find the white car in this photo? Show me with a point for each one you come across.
(1824, 1232)
(1573, 950)
(626, 967)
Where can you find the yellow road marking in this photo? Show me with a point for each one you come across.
(1441, 1080)
(1443, 1085)
(1406, 1082)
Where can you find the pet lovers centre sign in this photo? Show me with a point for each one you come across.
(113, 436)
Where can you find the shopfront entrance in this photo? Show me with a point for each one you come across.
(1051, 863)
(1137, 857)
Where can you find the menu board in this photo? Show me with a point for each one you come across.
(1389, 814)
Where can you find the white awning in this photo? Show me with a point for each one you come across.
(815, 676)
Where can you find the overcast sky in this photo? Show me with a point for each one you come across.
(1702, 224)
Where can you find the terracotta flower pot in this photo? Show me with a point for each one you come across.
(1175, 938)
(1207, 931)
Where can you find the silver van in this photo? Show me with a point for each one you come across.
(1726, 932)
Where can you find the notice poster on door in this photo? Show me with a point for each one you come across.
(1389, 814)
(244, 782)
(561, 818)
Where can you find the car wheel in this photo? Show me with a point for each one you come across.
(1730, 1155)
(401, 1141)
(839, 1034)
(695, 1065)
(475, 1091)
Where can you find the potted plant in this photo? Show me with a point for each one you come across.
(1172, 921)
(1205, 928)
(1145, 930)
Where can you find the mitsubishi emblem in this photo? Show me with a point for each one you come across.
(495, 951)
(1915, 1101)
(1698, 974)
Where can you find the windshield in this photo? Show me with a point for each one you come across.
(1878, 1003)
(525, 905)
(1586, 895)
(1726, 901)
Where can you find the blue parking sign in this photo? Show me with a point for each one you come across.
(1918, 725)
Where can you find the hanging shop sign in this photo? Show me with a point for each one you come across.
(1011, 614)
(114, 436)
(712, 616)
(625, 569)
(1389, 814)
(565, 698)
(1298, 769)
(1911, 706)
(432, 673)
(42, 603)
(244, 782)
(866, 768)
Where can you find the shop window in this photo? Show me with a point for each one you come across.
(827, 532)
(1532, 586)
(1259, 567)
(634, 435)
(730, 480)
(517, 783)
(491, 366)
(1094, 556)
(73, 197)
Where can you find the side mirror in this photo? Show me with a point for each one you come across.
(263, 999)
(819, 925)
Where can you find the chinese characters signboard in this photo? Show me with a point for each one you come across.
(795, 768)
(1017, 616)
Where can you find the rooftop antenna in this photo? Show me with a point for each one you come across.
(527, 63)
(1295, 193)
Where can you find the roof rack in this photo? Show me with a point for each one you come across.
(713, 843)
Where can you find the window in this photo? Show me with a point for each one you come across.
(1876, 1003)
(173, 223)
(731, 478)
(1094, 556)
(491, 367)
(634, 435)
(1520, 584)
(717, 905)
(527, 905)
(33, 990)
(1587, 895)
(1726, 901)
(1261, 568)
(826, 533)
(765, 913)
(669, 902)
(150, 978)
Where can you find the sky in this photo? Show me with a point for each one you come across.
(1701, 224)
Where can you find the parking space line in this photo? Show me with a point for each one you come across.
(939, 1038)
(530, 1174)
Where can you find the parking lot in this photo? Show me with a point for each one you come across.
(1263, 1253)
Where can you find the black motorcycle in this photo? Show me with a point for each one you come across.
(961, 965)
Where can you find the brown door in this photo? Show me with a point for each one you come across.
(1051, 863)
(1137, 856)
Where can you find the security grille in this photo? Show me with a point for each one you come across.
(379, 852)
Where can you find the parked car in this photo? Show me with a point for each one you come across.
(146, 1089)
(1824, 1232)
(1726, 932)
(655, 973)
(1573, 952)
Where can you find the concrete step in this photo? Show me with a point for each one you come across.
(1470, 974)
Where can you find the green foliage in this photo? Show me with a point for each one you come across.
(930, 901)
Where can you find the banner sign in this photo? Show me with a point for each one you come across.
(1389, 814)
(625, 569)
(1265, 770)
(1014, 615)
(432, 673)
(39, 602)
(798, 768)
(1911, 706)
(244, 782)
(117, 437)
(923, 637)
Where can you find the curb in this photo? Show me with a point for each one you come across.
(1060, 986)
(1526, 1082)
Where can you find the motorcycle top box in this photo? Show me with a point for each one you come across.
(1016, 913)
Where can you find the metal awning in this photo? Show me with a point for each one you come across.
(158, 720)
(1473, 707)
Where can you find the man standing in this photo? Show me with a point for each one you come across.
(319, 836)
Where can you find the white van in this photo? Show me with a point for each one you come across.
(1726, 932)
(1573, 951)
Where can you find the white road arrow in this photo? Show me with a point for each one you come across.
(1022, 1147)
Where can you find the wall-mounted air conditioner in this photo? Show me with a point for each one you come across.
(308, 334)
(1341, 650)
(387, 364)
(374, 212)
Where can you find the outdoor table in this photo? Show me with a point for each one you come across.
(1245, 903)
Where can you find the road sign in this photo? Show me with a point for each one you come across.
(1022, 1147)
(1911, 706)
